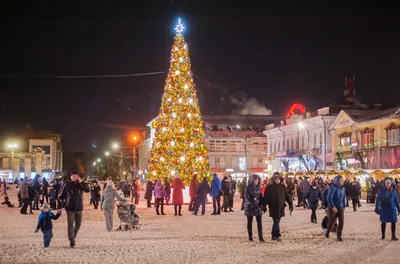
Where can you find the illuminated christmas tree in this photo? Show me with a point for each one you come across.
(179, 146)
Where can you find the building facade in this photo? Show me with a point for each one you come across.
(36, 156)
(365, 139)
(301, 142)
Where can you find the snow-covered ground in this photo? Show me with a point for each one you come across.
(191, 239)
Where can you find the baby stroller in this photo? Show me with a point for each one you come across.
(129, 220)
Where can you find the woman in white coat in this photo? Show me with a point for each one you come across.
(107, 204)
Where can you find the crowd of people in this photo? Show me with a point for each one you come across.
(258, 196)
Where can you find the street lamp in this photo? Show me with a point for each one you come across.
(115, 145)
(98, 160)
(94, 163)
(12, 146)
(301, 125)
(107, 153)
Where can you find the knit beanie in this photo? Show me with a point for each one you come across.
(45, 205)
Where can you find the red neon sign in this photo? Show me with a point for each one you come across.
(294, 108)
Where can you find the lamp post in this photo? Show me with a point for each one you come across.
(12, 146)
(301, 125)
(134, 158)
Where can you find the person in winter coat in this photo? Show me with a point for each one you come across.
(24, 195)
(313, 196)
(299, 192)
(305, 188)
(253, 206)
(336, 205)
(234, 185)
(159, 195)
(7, 201)
(276, 197)
(45, 223)
(192, 192)
(216, 189)
(37, 187)
(137, 188)
(228, 194)
(107, 204)
(72, 192)
(242, 191)
(203, 189)
(387, 206)
(167, 187)
(148, 195)
(354, 190)
(45, 190)
(95, 194)
(177, 195)
(32, 195)
(290, 187)
(57, 187)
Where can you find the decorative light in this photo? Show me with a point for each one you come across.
(173, 172)
(189, 115)
(177, 72)
(186, 86)
(181, 59)
(182, 130)
(190, 100)
(154, 173)
(172, 143)
(191, 144)
(179, 28)
(164, 129)
(169, 99)
(182, 158)
(173, 115)
(176, 48)
(200, 158)
(162, 159)
(180, 100)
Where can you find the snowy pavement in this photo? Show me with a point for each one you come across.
(191, 239)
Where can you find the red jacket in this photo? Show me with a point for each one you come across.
(178, 187)
(193, 186)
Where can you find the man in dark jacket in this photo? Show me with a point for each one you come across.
(57, 187)
(354, 190)
(72, 191)
(228, 194)
(38, 189)
(95, 194)
(24, 195)
(203, 189)
(336, 206)
(276, 197)
(305, 188)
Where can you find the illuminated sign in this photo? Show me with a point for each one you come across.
(295, 108)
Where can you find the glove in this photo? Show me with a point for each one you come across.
(378, 212)
(37, 230)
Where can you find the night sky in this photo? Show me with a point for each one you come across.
(277, 55)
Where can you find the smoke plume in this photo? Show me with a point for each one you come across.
(249, 106)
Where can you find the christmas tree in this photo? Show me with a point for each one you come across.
(179, 146)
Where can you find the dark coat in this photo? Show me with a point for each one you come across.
(227, 186)
(254, 201)
(148, 195)
(57, 187)
(203, 189)
(45, 186)
(354, 189)
(167, 187)
(72, 192)
(290, 186)
(313, 196)
(36, 184)
(387, 204)
(31, 193)
(95, 192)
(276, 197)
(243, 186)
(193, 186)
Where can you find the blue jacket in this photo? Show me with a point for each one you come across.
(44, 220)
(337, 195)
(387, 204)
(216, 186)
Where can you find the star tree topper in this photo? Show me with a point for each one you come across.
(179, 28)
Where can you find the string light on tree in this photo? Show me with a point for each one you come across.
(179, 147)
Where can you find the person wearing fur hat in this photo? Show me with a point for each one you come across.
(387, 206)
(253, 206)
(276, 197)
(45, 223)
(313, 196)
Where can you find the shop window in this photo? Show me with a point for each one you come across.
(393, 135)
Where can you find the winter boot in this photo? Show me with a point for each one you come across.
(394, 238)
(260, 237)
(383, 229)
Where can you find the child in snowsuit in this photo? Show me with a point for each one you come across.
(45, 223)
(313, 196)
(7, 201)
